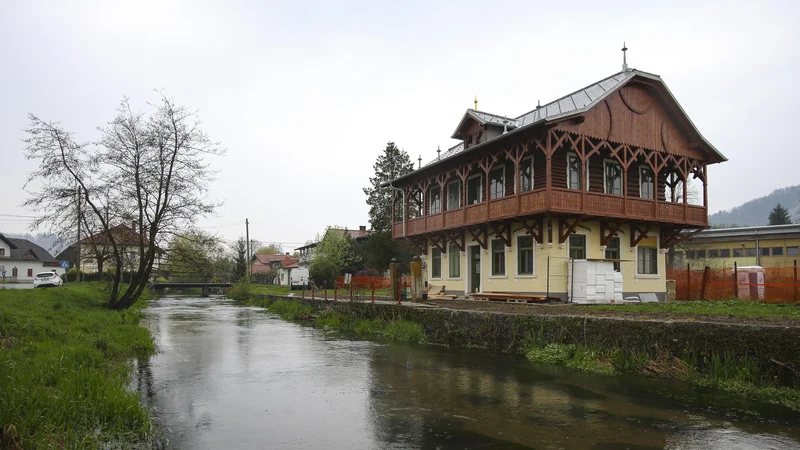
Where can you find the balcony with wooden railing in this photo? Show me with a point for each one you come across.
(562, 201)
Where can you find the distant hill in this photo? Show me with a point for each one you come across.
(756, 211)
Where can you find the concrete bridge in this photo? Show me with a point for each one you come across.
(159, 287)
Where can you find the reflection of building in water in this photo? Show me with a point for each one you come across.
(420, 400)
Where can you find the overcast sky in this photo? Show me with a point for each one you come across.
(305, 95)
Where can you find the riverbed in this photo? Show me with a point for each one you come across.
(233, 377)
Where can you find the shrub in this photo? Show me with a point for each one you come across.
(404, 331)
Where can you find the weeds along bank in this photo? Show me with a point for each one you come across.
(758, 361)
(65, 361)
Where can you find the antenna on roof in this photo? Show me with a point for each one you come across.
(438, 152)
(476, 103)
(420, 161)
(624, 57)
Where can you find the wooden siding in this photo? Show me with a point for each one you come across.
(539, 170)
(633, 115)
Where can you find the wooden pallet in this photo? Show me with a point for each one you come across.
(510, 298)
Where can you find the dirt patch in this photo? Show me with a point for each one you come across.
(586, 311)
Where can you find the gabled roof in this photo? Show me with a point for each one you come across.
(123, 234)
(267, 259)
(572, 104)
(25, 249)
(483, 118)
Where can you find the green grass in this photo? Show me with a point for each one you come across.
(65, 363)
(290, 310)
(736, 308)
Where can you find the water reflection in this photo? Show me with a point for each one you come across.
(233, 377)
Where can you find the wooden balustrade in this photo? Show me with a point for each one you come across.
(564, 201)
(454, 218)
(530, 202)
(475, 213)
(641, 209)
(433, 222)
(610, 205)
(671, 211)
(503, 207)
(696, 215)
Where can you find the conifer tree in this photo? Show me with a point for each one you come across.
(779, 216)
(393, 163)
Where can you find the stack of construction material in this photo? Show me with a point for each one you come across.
(594, 282)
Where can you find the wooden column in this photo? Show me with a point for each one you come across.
(685, 190)
(705, 188)
(582, 155)
(549, 171)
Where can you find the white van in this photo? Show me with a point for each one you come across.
(298, 278)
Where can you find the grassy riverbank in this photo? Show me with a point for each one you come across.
(65, 364)
(395, 330)
(732, 308)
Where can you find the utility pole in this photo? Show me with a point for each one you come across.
(78, 245)
(247, 231)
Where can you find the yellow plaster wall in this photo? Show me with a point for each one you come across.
(511, 282)
(765, 261)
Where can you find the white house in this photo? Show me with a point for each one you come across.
(21, 260)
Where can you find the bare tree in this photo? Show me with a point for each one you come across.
(147, 170)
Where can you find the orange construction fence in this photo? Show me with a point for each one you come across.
(780, 285)
(365, 281)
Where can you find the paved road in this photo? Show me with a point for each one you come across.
(17, 286)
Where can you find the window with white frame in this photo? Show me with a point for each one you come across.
(612, 174)
(435, 196)
(525, 255)
(647, 187)
(453, 261)
(574, 172)
(498, 257)
(436, 263)
(526, 174)
(577, 246)
(454, 195)
(474, 189)
(2, 252)
(612, 251)
(497, 183)
(647, 260)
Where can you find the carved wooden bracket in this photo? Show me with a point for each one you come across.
(421, 243)
(479, 235)
(638, 233)
(608, 229)
(671, 236)
(535, 228)
(439, 241)
(566, 228)
(456, 237)
(502, 231)
(487, 162)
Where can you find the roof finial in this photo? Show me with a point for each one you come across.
(624, 57)
(538, 104)
(420, 161)
(476, 103)
(438, 152)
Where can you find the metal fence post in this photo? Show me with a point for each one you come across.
(795, 281)
(688, 281)
(335, 292)
(735, 280)
(706, 273)
(373, 291)
(325, 286)
(312, 291)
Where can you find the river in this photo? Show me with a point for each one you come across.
(232, 377)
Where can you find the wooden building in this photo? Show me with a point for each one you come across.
(599, 174)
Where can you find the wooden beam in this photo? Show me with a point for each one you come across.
(477, 233)
(439, 241)
(502, 231)
(608, 229)
(637, 234)
(566, 228)
(456, 237)
(535, 228)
